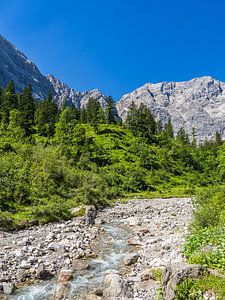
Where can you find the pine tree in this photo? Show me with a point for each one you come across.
(9, 101)
(169, 129)
(83, 115)
(148, 121)
(46, 117)
(132, 119)
(182, 136)
(159, 126)
(66, 124)
(15, 127)
(0, 97)
(218, 138)
(27, 110)
(94, 113)
(109, 111)
(141, 121)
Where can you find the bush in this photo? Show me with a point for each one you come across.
(194, 289)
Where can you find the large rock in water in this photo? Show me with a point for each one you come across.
(115, 286)
(198, 103)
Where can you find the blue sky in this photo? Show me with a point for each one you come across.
(118, 45)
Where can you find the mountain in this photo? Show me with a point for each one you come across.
(65, 94)
(14, 65)
(198, 103)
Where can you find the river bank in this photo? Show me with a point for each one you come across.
(154, 233)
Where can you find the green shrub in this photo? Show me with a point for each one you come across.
(194, 289)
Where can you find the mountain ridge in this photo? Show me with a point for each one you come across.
(196, 103)
(15, 65)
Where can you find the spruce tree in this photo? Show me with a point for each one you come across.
(169, 130)
(83, 115)
(218, 138)
(27, 110)
(46, 117)
(9, 101)
(109, 111)
(65, 126)
(141, 121)
(94, 113)
(132, 119)
(182, 136)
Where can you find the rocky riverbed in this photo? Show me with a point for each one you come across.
(154, 234)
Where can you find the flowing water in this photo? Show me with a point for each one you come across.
(111, 250)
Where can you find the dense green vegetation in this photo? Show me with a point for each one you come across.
(52, 160)
(205, 244)
(194, 289)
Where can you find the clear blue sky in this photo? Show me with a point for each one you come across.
(118, 45)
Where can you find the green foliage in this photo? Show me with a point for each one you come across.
(206, 243)
(46, 117)
(94, 113)
(53, 161)
(109, 111)
(27, 110)
(159, 294)
(64, 128)
(9, 101)
(194, 289)
(141, 122)
(157, 274)
(207, 247)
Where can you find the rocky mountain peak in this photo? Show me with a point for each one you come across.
(14, 65)
(64, 94)
(198, 103)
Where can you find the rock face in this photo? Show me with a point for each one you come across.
(14, 65)
(198, 103)
(65, 94)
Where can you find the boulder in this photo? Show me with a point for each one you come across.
(134, 242)
(65, 276)
(133, 221)
(147, 274)
(91, 214)
(25, 265)
(79, 264)
(113, 285)
(8, 288)
(131, 259)
(55, 246)
(93, 297)
(42, 273)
